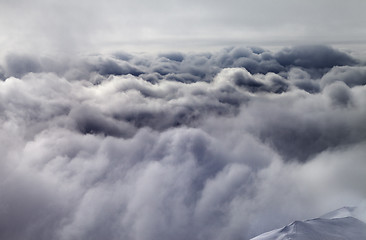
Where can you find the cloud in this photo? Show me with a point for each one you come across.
(19, 65)
(351, 76)
(178, 145)
(313, 57)
(174, 56)
(300, 125)
(340, 94)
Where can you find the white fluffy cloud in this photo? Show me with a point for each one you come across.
(190, 146)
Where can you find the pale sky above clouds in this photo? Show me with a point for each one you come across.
(84, 26)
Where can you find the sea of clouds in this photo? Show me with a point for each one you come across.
(222, 145)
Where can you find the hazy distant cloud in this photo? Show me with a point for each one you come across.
(113, 67)
(19, 65)
(313, 57)
(174, 56)
(178, 145)
(314, 61)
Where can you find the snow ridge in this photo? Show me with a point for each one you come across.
(336, 225)
(340, 213)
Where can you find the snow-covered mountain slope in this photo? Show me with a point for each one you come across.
(341, 213)
(336, 225)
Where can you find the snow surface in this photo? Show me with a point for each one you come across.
(336, 225)
(340, 213)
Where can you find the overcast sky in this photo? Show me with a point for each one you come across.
(84, 26)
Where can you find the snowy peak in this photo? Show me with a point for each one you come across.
(340, 213)
(331, 226)
(319, 229)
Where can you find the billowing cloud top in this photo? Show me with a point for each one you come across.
(222, 145)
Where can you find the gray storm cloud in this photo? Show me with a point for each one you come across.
(222, 145)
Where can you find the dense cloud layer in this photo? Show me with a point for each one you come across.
(221, 145)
